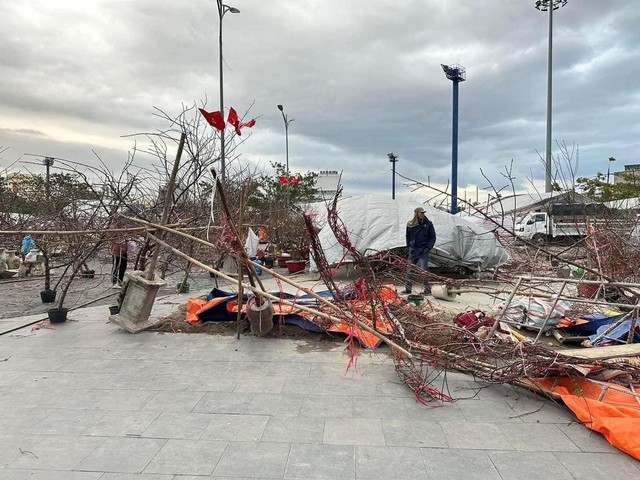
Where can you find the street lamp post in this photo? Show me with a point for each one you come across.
(611, 159)
(455, 73)
(393, 158)
(222, 10)
(48, 163)
(550, 6)
(287, 121)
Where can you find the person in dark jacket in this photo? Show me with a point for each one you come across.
(421, 237)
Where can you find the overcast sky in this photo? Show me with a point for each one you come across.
(360, 78)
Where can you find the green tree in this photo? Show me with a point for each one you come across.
(270, 200)
(270, 188)
(33, 196)
(599, 190)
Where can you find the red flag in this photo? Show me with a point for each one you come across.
(213, 118)
(283, 179)
(233, 120)
(295, 180)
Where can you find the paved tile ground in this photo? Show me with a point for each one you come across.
(88, 401)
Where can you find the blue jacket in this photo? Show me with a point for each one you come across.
(420, 238)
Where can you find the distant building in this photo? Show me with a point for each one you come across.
(633, 169)
(327, 184)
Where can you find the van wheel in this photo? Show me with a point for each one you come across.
(539, 239)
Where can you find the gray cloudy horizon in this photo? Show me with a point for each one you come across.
(359, 78)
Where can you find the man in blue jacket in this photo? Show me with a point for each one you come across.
(421, 237)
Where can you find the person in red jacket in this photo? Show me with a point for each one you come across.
(421, 237)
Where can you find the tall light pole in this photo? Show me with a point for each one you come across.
(455, 73)
(393, 158)
(287, 121)
(550, 6)
(611, 159)
(222, 10)
(48, 163)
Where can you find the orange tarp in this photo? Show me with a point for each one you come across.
(361, 308)
(608, 408)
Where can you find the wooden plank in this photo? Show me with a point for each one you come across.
(614, 351)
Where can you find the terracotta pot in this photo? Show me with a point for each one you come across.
(282, 260)
(588, 290)
(295, 265)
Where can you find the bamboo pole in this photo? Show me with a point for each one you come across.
(91, 232)
(262, 293)
(168, 199)
(273, 273)
(501, 314)
(548, 316)
(253, 278)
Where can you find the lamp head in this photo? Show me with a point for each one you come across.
(233, 10)
(281, 108)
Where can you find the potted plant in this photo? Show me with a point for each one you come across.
(299, 255)
(83, 252)
(47, 295)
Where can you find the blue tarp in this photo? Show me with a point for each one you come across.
(599, 323)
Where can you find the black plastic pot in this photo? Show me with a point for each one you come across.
(57, 315)
(48, 296)
(114, 309)
(88, 274)
(183, 288)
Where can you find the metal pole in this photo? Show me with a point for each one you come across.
(286, 140)
(393, 181)
(549, 103)
(48, 161)
(223, 165)
(454, 151)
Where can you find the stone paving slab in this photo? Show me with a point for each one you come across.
(87, 401)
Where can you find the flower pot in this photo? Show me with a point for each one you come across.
(88, 274)
(57, 315)
(588, 290)
(114, 309)
(48, 296)
(183, 288)
(295, 265)
(268, 262)
(415, 299)
(260, 316)
(282, 260)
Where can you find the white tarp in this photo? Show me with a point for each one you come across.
(376, 223)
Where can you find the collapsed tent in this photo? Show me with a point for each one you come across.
(376, 223)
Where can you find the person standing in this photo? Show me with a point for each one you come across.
(119, 258)
(421, 237)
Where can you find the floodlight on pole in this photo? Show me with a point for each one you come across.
(48, 163)
(550, 6)
(287, 121)
(611, 159)
(456, 73)
(222, 10)
(393, 158)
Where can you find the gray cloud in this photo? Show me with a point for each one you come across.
(360, 78)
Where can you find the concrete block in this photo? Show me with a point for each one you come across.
(137, 303)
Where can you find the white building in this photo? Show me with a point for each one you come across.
(327, 184)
